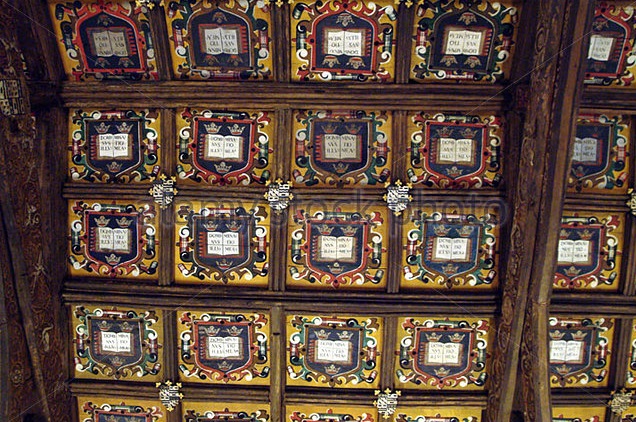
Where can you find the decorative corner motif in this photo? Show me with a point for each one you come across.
(150, 4)
(163, 190)
(631, 202)
(397, 196)
(278, 195)
(620, 401)
(169, 394)
(386, 402)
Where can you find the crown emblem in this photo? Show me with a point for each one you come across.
(340, 168)
(449, 60)
(113, 259)
(556, 335)
(236, 129)
(102, 221)
(353, 128)
(332, 369)
(444, 132)
(116, 361)
(224, 264)
(456, 337)
(322, 334)
(211, 331)
(104, 325)
(325, 229)
(441, 230)
(599, 24)
(563, 370)
(442, 372)
(578, 336)
(472, 62)
(210, 225)
(454, 171)
(344, 19)
(465, 231)
(102, 128)
(572, 271)
(114, 167)
(564, 234)
(433, 337)
(222, 167)
(234, 331)
(219, 17)
(468, 133)
(467, 18)
(345, 335)
(586, 234)
(336, 268)
(234, 225)
(126, 327)
(349, 230)
(124, 222)
(225, 366)
(330, 128)
(111, 418)
(124, 127)
(211, 127)
(450, 268)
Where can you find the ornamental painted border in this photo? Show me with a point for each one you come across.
(148, 369)
(149, 414)
(484, 273)
(631, 369)
(81, 261)
(374, 255)
(476, 376)
(226, 415)
(439, 414)
(305, 16)
(331, 414)
(366, 376)
(80, 168)
(376, 172)
(502, 16)
(490, 172)
(255, 273)
(68, 15)
(614, 178)
(596, 375)
(256, 373)
(255, 12)
(258, 172)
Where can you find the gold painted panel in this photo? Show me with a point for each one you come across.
(631, 368)
(225, 242)
(335, 245)
(438, 414)
(350, 40)
(578, 414)
(580, 351)
(195, 411)
(327, 413)
(99, 409)
(223, 347)
(437, 353)
(113, 239)
(342, 148)
(629, 415)
(225, 148)
(116, 146)
(334, 351)
(589, 254)
(117, 343)
(220, 40)
(451, 246)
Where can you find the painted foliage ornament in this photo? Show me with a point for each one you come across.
(386, 402)
(620, 401)
(279, 195)
(397, 196)
(169, 394)
(163, 191)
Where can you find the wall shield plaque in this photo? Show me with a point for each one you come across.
(116, 344)
(331, 415)
(224, 348)
(579, 351)
(333, 351)
(118, 412)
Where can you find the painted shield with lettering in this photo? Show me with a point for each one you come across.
(455, 150)
(579, 250)
(450, 249)
(113, 146)
(337, 247)
(443, 352)
(608, 45)
(341, 146)
(223, 241)
(224, 147)
(571, 350)
(115, 342)
(222, 346)
(591, 150)
(121, 416)
(333, 351)
(113, 237)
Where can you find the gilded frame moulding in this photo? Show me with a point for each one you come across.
(117, 343)
(580, 351)
(224, 348)
(113, 239)
(104, 39)
(316, 354)
(118, 146)
(222, 243)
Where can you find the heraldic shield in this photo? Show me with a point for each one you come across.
(591, 149)
(114, 145)
(113, 237)
(451, 248)
(224, 146)
(456, 150)
(572, 350)
(223, 240)
(115, 343)
(122, 416)
(333, 351)
(337, 246)
(223, 346)
(341, 146)
(443, 352)
(580, 250)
